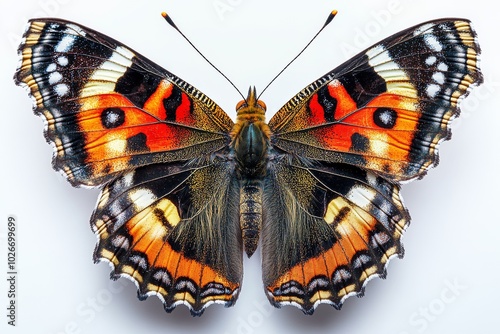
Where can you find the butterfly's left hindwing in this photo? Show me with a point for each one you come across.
(174, 230)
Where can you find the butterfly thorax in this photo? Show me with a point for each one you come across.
(250, 142)
(250, 137)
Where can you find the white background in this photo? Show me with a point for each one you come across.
(447, 280)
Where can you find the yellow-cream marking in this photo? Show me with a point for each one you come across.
(319, 295)
(156, 288)
(379, 144)
(100, 227)
(104, 198)
(396, 79)
(132, 272)
(367, 273)
(110, 256)
(185, 296)
(347, 290)
(170, 211)
(116, 146)
(104, 79)
(345, 226)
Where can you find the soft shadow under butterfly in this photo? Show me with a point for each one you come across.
(185, 189)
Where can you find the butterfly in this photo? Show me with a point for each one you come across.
(185, 190)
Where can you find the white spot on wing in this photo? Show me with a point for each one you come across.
(61, 89)
(65, 44)
(361, 261)
(340, 275)
(438, 77)
(361, 196)
(128, 178)
(396, 79)
(443, 67)
(140, 261)
(433, 90)
(433, 43)
(380, 238)
(72, 29)
(142, 198)
(162, 276)
(372, 179)
(55, 77)
(112, 117)
(120, 241)
(431, 60)
(62, 60)
(386, 117)
(51, 68)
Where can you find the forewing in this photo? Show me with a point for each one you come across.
(108, 109)
(388, 108)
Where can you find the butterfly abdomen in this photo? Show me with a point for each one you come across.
(250, 213)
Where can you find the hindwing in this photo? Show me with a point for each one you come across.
(173, 229)
(328, 228)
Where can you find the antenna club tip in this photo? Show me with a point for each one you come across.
(330, 17)
(169, 20)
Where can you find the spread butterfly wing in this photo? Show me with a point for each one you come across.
(174, 230)
(341, 148)
(108, 109)
(119, 121)
(389, 107)
(328, 229)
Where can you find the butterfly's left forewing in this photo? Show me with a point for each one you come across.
(108, 109)
(334, 216)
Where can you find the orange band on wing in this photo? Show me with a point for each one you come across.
(149, 238)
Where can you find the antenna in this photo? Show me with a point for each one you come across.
(327, 22)
(171, 22)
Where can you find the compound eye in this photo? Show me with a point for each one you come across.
(240, 104)
(262, 104)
